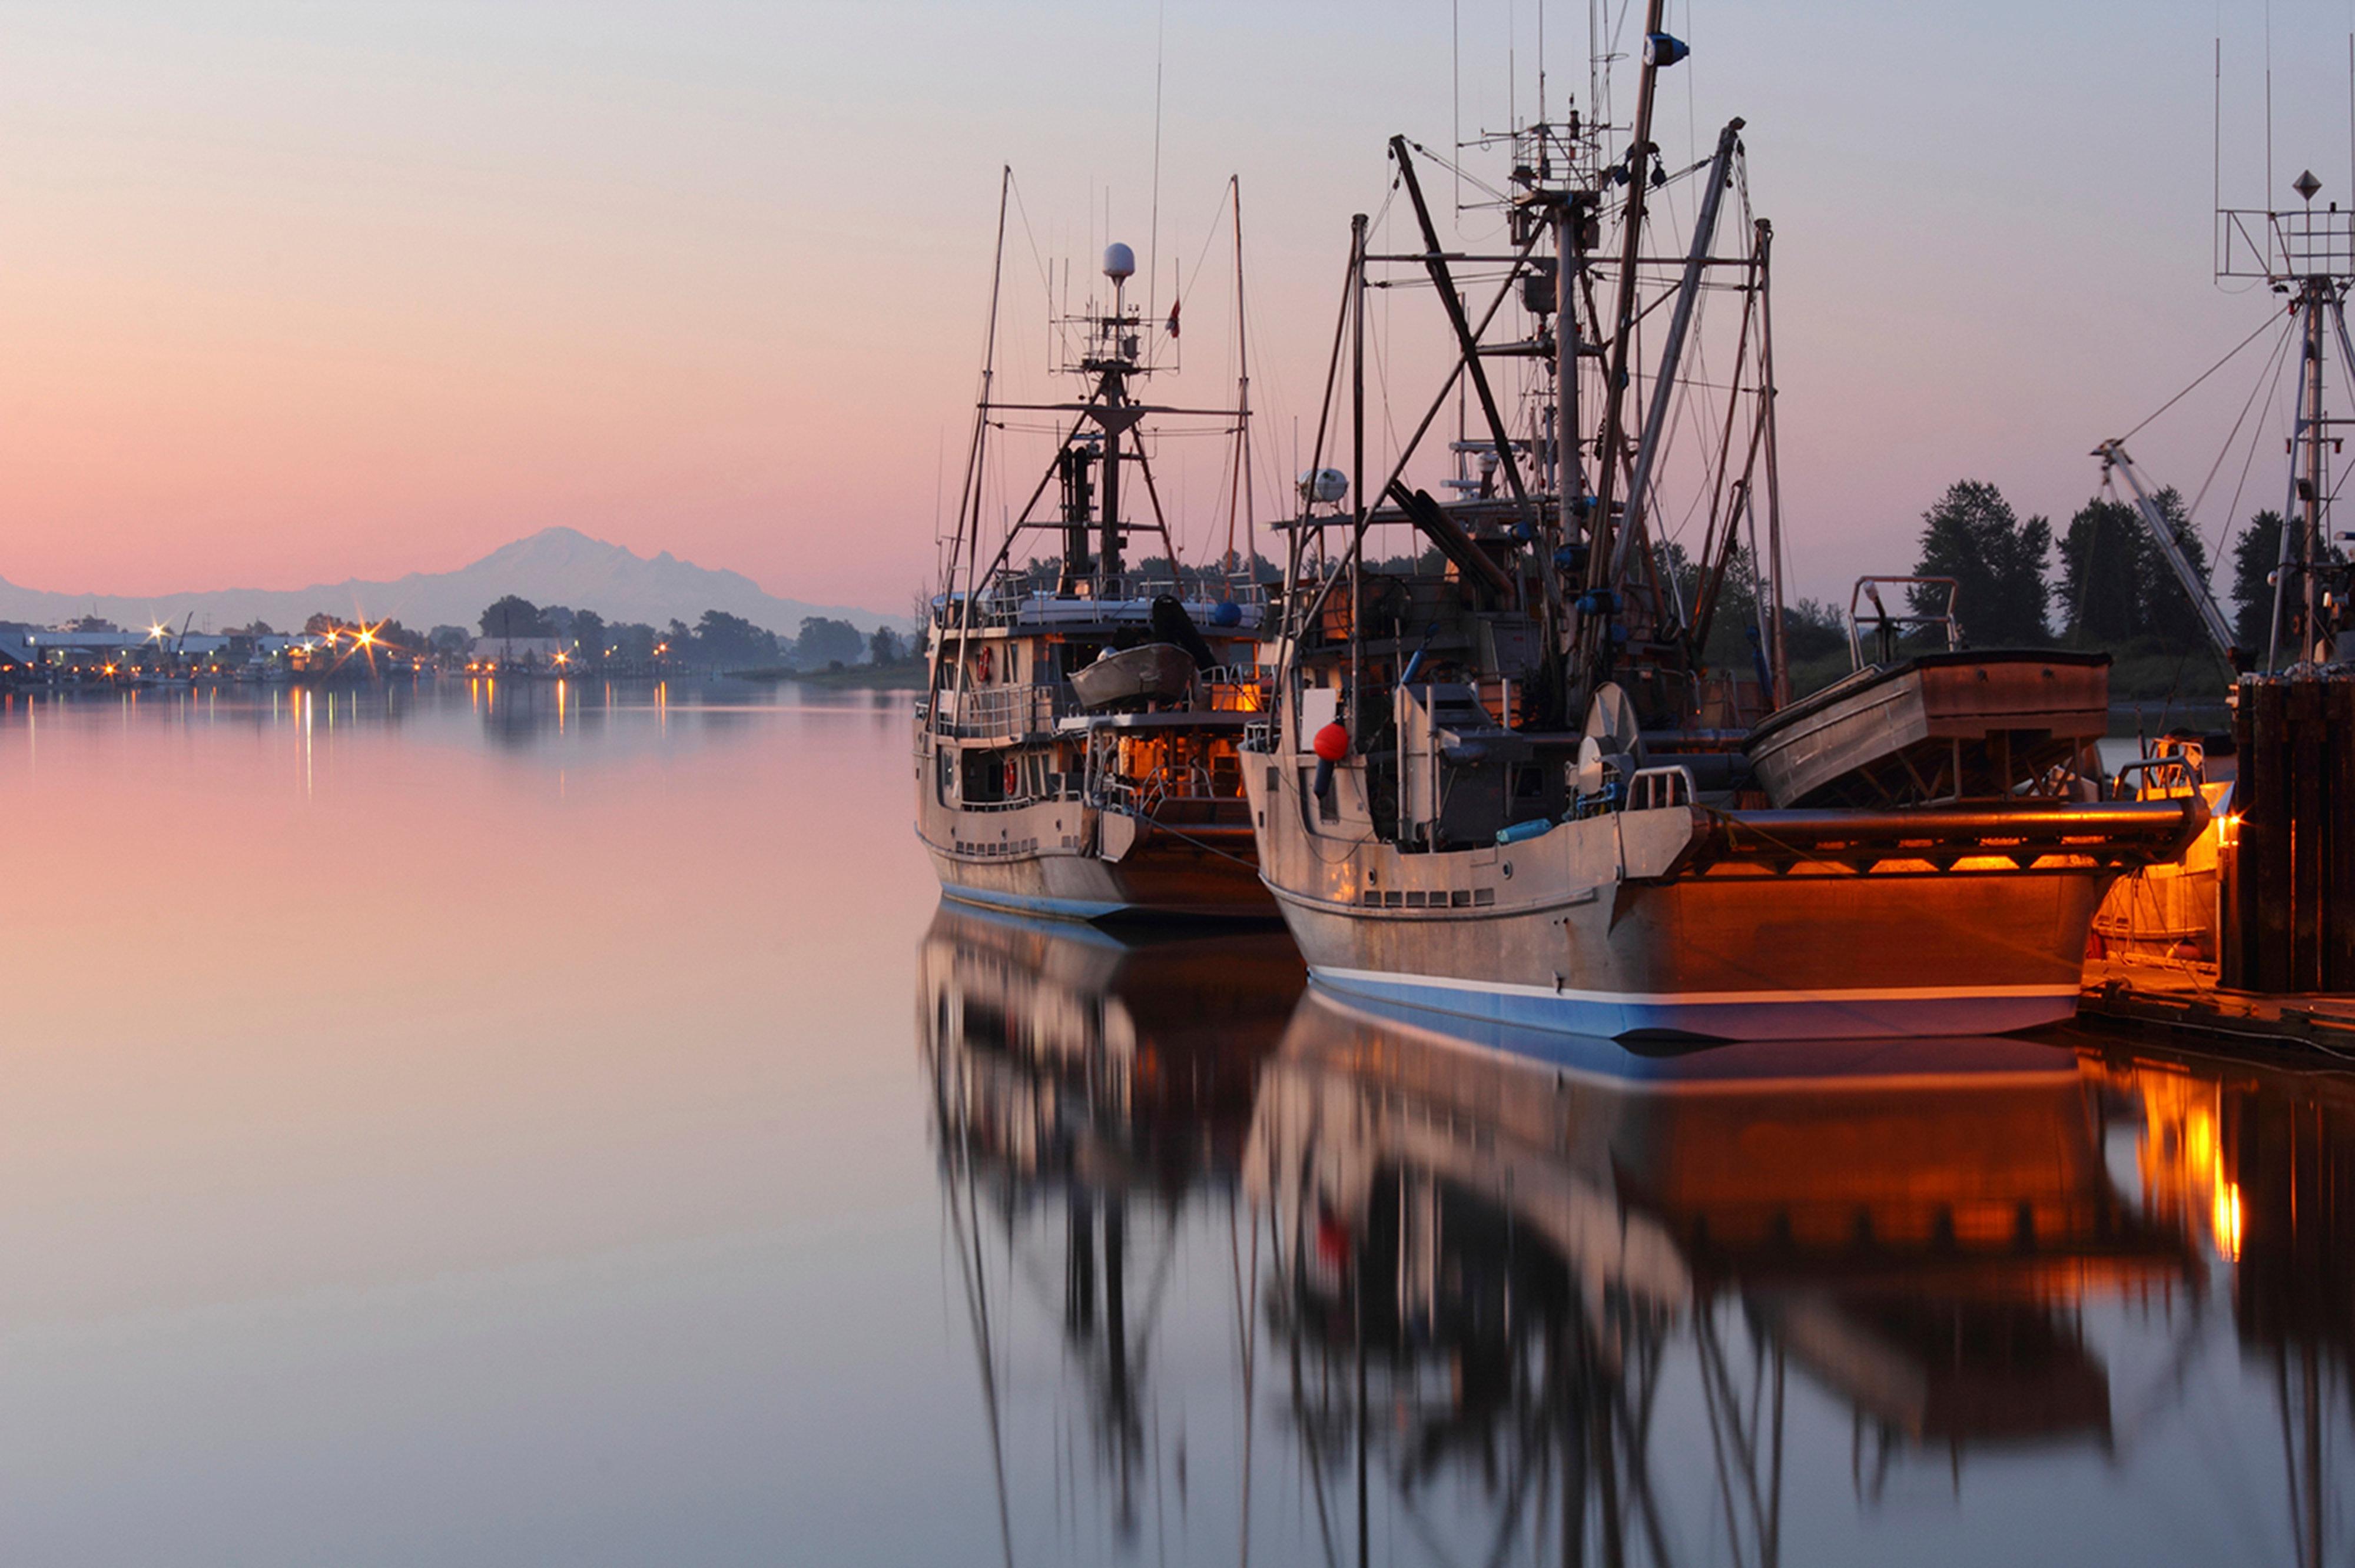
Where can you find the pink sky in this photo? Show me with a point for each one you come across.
(298, 293)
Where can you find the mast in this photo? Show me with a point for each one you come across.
(1359, 508)
(1238, 487)
(1115, 417)
(969, 495)
(1614, 382)
(1663, 385)
(1767, 391)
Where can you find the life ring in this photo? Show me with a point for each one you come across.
(982, 666)
(1013, 776)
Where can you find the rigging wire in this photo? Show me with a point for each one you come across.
(2265, 378)
(2203, 376)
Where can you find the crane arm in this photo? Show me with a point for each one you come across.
(2171, 549)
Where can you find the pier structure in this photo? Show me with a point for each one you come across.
(2253, 936)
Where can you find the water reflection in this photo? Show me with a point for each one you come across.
(1476, 1297)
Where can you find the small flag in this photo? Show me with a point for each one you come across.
(1173, 317)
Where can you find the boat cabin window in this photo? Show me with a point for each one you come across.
(983, 777)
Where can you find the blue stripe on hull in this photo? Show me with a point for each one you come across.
(1036, 903)
(1764, 1016)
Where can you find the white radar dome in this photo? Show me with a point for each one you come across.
(1325, 485)
(1120, 262)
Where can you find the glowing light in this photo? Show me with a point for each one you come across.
(2228, 1219)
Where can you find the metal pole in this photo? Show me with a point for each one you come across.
(2319, 290)
(1766, 390)
(1453, 303)
(1241, 489)
(1614, 382)
(1356, 469)
(1664, 386)
(971, 513)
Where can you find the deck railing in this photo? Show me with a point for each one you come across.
(999, 713)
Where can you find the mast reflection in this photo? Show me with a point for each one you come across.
(1501, 1297)
(1523, 1248)
(1087, 1089)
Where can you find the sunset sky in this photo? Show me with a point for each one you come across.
(296, 293)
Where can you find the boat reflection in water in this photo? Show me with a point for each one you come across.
(1377, 1292)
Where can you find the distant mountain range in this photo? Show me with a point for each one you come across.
(555, 566)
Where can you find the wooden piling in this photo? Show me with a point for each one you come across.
(2289, 899)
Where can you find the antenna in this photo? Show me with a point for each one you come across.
(1153, 234)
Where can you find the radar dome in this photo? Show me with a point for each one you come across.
(1326, 485)
(1120, 262)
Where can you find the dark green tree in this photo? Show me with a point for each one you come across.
(2169, 618)
(2102, 567)
(1812, 629)
(884, 647)
(2255, 554)
(588, 635)
(731, 641)
(2117, 588)
(1973, 536)
(633, 641)
(823, 640)
(514, 616)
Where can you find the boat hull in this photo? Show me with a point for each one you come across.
(1680, 922)
(1714, 961)
(1195, 873)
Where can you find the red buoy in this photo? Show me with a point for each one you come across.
(1332, 743)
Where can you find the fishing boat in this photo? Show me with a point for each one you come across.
(1500, 778)
(1078, 747)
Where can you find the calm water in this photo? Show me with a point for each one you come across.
(565, 1128)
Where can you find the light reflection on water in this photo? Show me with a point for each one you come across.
(1474, 1296)
(480, 1125)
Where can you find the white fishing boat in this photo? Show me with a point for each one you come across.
(1508, 786)
(1077, 751)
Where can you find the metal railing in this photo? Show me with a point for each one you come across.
(1653, 789)
(1007, 599)
(1890, 625)
(999, 713)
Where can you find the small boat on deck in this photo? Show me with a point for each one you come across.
(1155, 672)
(1961, 724)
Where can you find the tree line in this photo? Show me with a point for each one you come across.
(716, 640)
(2100, 584)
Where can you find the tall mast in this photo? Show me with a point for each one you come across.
(1615, 384)
(1239, 490)
(967, 543)
(1664, 386)
(2317, 305)
(1766, 392)
(1113, 398)
(1356, 469)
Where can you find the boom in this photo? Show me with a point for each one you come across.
(2171, 549)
